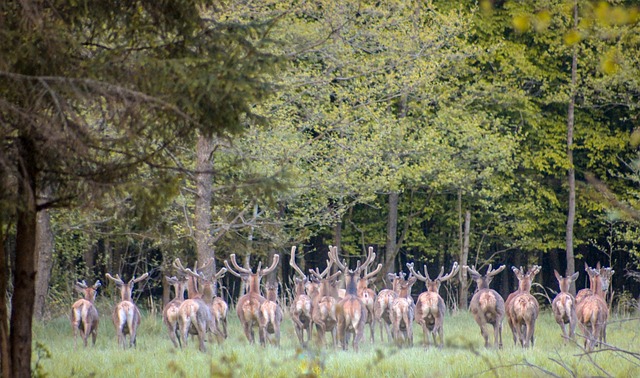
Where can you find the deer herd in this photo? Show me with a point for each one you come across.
(319, 301)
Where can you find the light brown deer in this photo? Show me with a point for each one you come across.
(248, 305)
(592, 312)
(402, 313)
(126, 315)
(487, 306)
(302, 304)
(430, 306)
(564, 305)
(605, 280)
(194, 314)
(170, 311)
(270, 315)
(351, 311)
(522, 308)
(323, 312)
(382, 306)
(368, 296)
(84, 315)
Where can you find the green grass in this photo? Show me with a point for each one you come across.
(462, 356)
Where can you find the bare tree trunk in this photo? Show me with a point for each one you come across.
(24, 276)
(337, 235)
(204, 177)
(5, 350)
(464, 258)
(392, 231)
(571, 264)
(44, 246)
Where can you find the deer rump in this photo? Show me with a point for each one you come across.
(563, 306)
(430, 306)
(489, 305)
(126, 313)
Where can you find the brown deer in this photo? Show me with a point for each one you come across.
(170, 310)
(351, 311)
(302, 304)
(194, 314)
(564, 305)
(248, 305)
(323, 311)
(84, 315)
(382, 306)
(430, 306)
(605, 280)
(270, 315)
(126, 315)
(522, 308)
(592, 311)
(487, 306)
(368, 296)
(402, 313)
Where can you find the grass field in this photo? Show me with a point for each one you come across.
(463, 355)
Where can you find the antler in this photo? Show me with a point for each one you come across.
(239, 269)
(418, 275)
(454, 270)
(491, 273)
(136, 280)
(274, 263)
(293, 264)
(333, 256)
(534, 270)
(82, 284)
(115, 279)
(370, 257)
(220, 273)
(371, 274)
(98, 284)
(472, 270)
(326, 271)
(203, 266)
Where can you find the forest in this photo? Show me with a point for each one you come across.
(478, 132)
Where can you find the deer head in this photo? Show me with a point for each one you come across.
(525, 279)
(247, 274)
(433, 285)
(483, 281)
(126, 289)
(565, 282)
(88, 292)
(352, 277)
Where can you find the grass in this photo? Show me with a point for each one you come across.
(464, 355)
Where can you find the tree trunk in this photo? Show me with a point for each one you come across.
(204, 177)
(392, 233)
(5, 357)
(571, 264)
(44, 243)
(24, 276)
(464, 258)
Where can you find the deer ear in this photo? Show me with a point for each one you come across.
(558, 276)
(575, 276)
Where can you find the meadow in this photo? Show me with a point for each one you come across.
(464, 355)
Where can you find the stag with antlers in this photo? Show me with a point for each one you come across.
(323, 311)
(382, 306)
(368, 296)
(564, 305)
(84, 315)
(402, 313)
(430, 307)
(487, 306)
(302, 304)
(126, 315)
(522, 308)
(351, 311)
(248, 305)
(195, 314)
(170, 312)
(270, 315)
(592, 311)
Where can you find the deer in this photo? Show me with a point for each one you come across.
(402, 313)
(522, 308)
(84, 314)
(323, 310)
(368, 296)
(248, 305)
(126, 315)
(430, 306)
(194, 314)
(605, 279)
(592, 311)
(302, 304)
(382, 306)
(351, 311)
(270, 315)
(487, 306)
(564, 305)
(170, 311)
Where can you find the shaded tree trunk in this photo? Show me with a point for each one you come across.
(5, 356)
(464, 258)
(571, 213)
(391, 247)
(24, 275)
(204, 177)
(44, 246)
